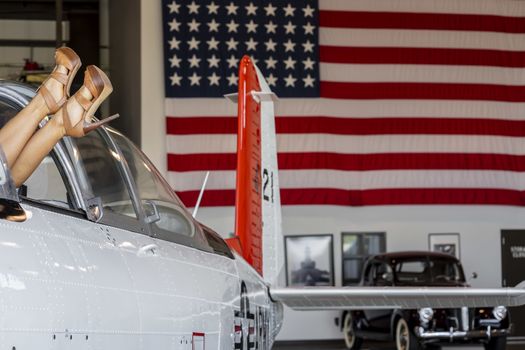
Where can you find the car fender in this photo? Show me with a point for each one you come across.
(397, 314)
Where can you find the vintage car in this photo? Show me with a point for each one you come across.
(425, 327)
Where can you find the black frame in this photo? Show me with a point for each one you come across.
(330, 258)
(362, 256)
(456, 236)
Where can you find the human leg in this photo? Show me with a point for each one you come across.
(72, 119)
(35, 150)
(51, 95)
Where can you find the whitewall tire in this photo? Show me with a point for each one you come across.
(351, 341)
(405, 339)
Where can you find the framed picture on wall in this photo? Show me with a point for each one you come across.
(355, 249)
(444, 243)
(309, 260)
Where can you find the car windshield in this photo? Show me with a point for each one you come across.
(424, 270)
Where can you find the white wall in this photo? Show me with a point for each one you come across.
(12, 57)
(153, 126)
(406, 227)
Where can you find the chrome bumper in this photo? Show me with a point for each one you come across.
(454, 334)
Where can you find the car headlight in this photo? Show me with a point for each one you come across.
(426, 314)
(499, 312)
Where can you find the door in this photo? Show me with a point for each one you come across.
(512, 263)
(379, 319)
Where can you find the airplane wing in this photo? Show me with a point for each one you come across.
(359, 298)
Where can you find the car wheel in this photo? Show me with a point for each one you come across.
(496, 343)
(351, 341)
(405, 339)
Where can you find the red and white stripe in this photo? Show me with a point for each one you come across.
(422, 102)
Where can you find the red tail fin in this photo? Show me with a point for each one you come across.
(248, 215)
(258, 201)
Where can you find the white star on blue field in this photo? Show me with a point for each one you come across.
(204, 41)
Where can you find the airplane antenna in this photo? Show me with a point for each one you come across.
(196, 209)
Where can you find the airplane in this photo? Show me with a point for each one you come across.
(98, 252)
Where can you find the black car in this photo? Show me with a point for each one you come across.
(426, 327)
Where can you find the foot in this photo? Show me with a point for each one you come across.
(73, 111)
(54, 91)
(76, 115)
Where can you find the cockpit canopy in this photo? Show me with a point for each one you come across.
(105, 177)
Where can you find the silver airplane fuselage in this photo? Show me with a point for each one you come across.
(67, 283)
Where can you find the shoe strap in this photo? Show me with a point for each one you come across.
(62, 78)
(92, 87)
(83, 101)
(51, 104)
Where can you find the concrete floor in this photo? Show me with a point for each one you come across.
(338, 345)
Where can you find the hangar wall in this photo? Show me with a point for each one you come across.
(11, 57)
(406, 227)
(152, 93)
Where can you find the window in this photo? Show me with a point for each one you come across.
(8, 109)
(216, 243)
(46, 184)
(166, 214)
(425, 270)
(384, 275)
(444, 271)
(378, 274)
(100, 168)
(356, 248)
(411, 266)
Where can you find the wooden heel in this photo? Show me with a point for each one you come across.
(88, 127)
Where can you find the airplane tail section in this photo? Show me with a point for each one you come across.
(258, 202)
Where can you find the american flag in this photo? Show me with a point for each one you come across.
(383, 102)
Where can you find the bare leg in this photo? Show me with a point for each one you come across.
(72, 119)
(51, 95)
(15, 134)
(43, 141)
(35, 151)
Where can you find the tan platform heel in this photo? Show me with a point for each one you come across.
(98, 84)
(66, 57)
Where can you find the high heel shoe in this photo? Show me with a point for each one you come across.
(78, 122)
(66, 57)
